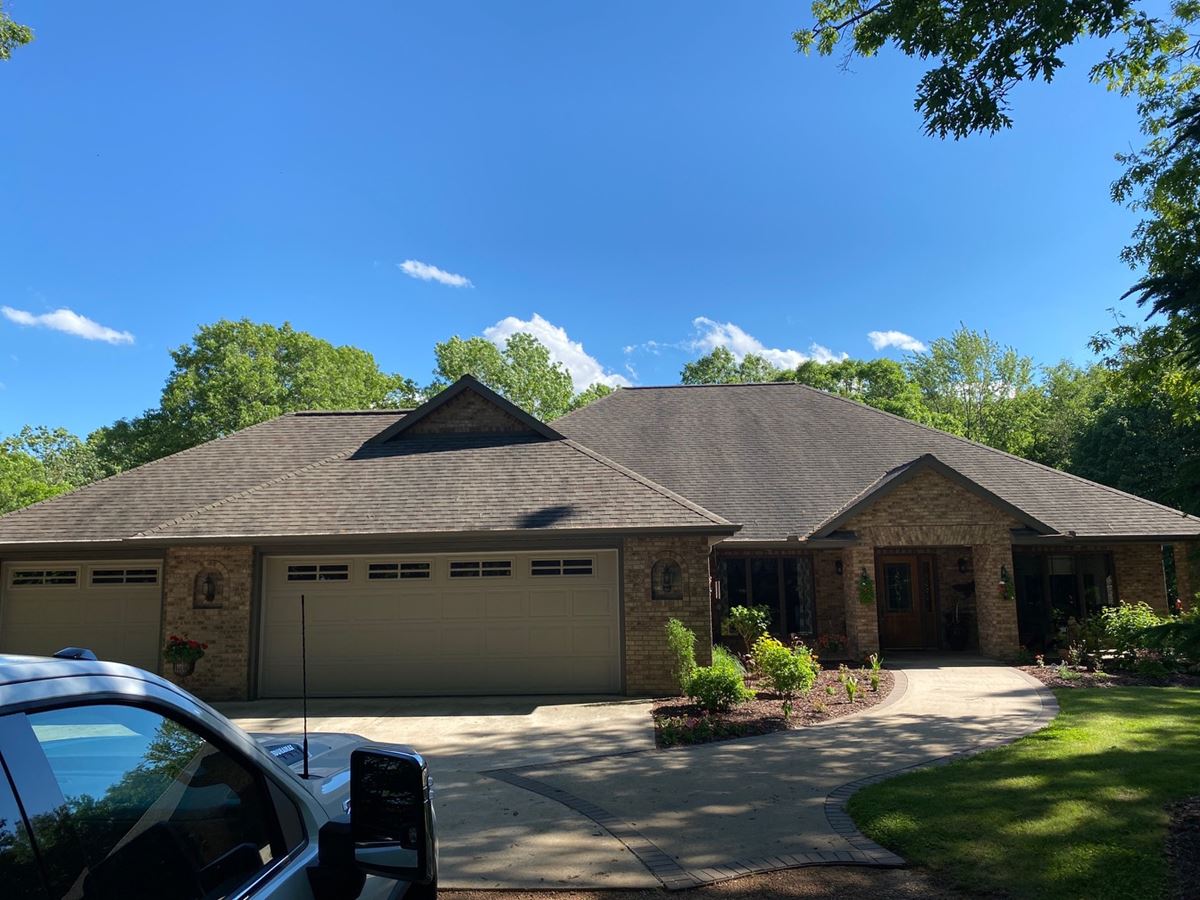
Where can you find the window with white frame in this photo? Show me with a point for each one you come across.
(480, 568)
(574, 566)
(392, 571)
(142, 575)
(44, 577)
(319, 572)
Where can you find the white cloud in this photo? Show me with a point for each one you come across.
(584, 369)
(881, 339)
(68, 322)
(416, 269)
(711, 334)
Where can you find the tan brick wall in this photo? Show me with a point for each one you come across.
(468, 413)
(830, 588)
(224, 672)
(862, 619)
(647, 663)
(1187, 572)
(1140, 575)
(930, 512)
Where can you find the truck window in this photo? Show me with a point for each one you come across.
(151, 809)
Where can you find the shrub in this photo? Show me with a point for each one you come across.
(681, 642)
(724, 658)
(718, 687)
(1151, 668)
(1125, 626)
(749, 623)
(788, 670)
(1178, 637)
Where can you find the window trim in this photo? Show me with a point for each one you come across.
(124, 583)
(483, 568)
(560, 567)
(44, 571)
(399, 570)
(338, 568)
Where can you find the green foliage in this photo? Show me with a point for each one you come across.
(866, 588)
(12, 34)
(39, 463)
(881, 383)
(748, 622)
(789, 671)
(1125, 625)
(718, 687)
(721, 367)
(236, 374)
(1176, 638)
(521, 372)
(849, 681)
(723, 658)
(681, 644)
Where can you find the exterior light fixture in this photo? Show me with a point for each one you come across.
(210, 589)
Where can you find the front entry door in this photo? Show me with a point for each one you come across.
(900, 624)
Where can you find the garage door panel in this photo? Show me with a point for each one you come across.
(509, 634)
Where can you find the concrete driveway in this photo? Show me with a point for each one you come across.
(545, 794)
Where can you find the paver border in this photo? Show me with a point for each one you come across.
(864, 852)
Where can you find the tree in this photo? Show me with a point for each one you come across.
(521, 372)
(1073, 398)
(981, 50)
(722, 367)
(23, 481)
(236, 374)
(39, 463)
(881, 383)
(12, 34)
(988, 390)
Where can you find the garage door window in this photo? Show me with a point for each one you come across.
(321, 572)
(476, 568)
(124, 576)
(560, 567)
(395, 570)
(44, 577)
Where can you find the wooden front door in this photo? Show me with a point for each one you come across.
(899, 593)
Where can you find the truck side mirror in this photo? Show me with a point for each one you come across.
(391, 815)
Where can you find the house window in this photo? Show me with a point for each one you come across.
(783, 584)
(475, 568)
(124, 576)
(319, 572)
(44, 577)
(561, 567)
(396, 570)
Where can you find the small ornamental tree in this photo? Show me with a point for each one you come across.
(749, 623)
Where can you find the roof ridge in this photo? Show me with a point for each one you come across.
(683, 501)
(1005, 453)
(243, 494)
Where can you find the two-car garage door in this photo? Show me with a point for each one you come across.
(496, 623)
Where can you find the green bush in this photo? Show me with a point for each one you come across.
(726, 659)
(681, 642)
(1151, 668)
(749, 623)
(1125, 626)
(789, 671)
(1178, 638)
(716, 688)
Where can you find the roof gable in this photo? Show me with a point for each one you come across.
(467, 407)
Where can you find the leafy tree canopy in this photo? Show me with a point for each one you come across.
(521, 372)
(722, 367)
(979, 51)
(236, 374)
(12, 34)
(39, 463)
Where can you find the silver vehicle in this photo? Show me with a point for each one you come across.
(115, 783)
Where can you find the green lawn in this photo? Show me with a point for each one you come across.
(1075, 810)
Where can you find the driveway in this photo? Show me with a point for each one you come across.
(545, 794)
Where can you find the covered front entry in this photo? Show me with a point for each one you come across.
(906, 592)
(482, 623)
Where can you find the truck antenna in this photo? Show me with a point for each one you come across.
(304, 679)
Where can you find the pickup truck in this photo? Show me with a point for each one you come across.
(115, 783)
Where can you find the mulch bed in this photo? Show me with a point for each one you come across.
(1080, 678)
(763, 715)
(1183, 848)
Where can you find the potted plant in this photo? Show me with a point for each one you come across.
(182, 653)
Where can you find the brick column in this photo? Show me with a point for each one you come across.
(862, 619)
(223, 623)
(1187, 572)
(996, 615)
(647, 662)
(1140, 575)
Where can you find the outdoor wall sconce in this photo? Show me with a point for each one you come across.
(208, 591)
(666, 580)
(837, 566)
(962, 565)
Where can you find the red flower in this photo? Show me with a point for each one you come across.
(204, 646)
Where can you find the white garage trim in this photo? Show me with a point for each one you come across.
(112, 607)
(443, 623)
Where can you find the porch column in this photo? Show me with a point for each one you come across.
(996, 613)
(862, 619)
(1187, 572)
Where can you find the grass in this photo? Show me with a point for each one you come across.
(1075, 810)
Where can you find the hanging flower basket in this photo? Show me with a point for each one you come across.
(183, 653)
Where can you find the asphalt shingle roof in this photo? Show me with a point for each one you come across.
(323, 474)
(783, 458)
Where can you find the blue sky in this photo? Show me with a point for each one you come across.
(647, 179)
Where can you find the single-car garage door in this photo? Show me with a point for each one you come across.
(112, 608)
(496, 623)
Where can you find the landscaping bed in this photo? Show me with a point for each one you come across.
(1078, 677)
(1183, 848)
(678, 721)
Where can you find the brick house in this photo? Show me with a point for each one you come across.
(466, 547)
